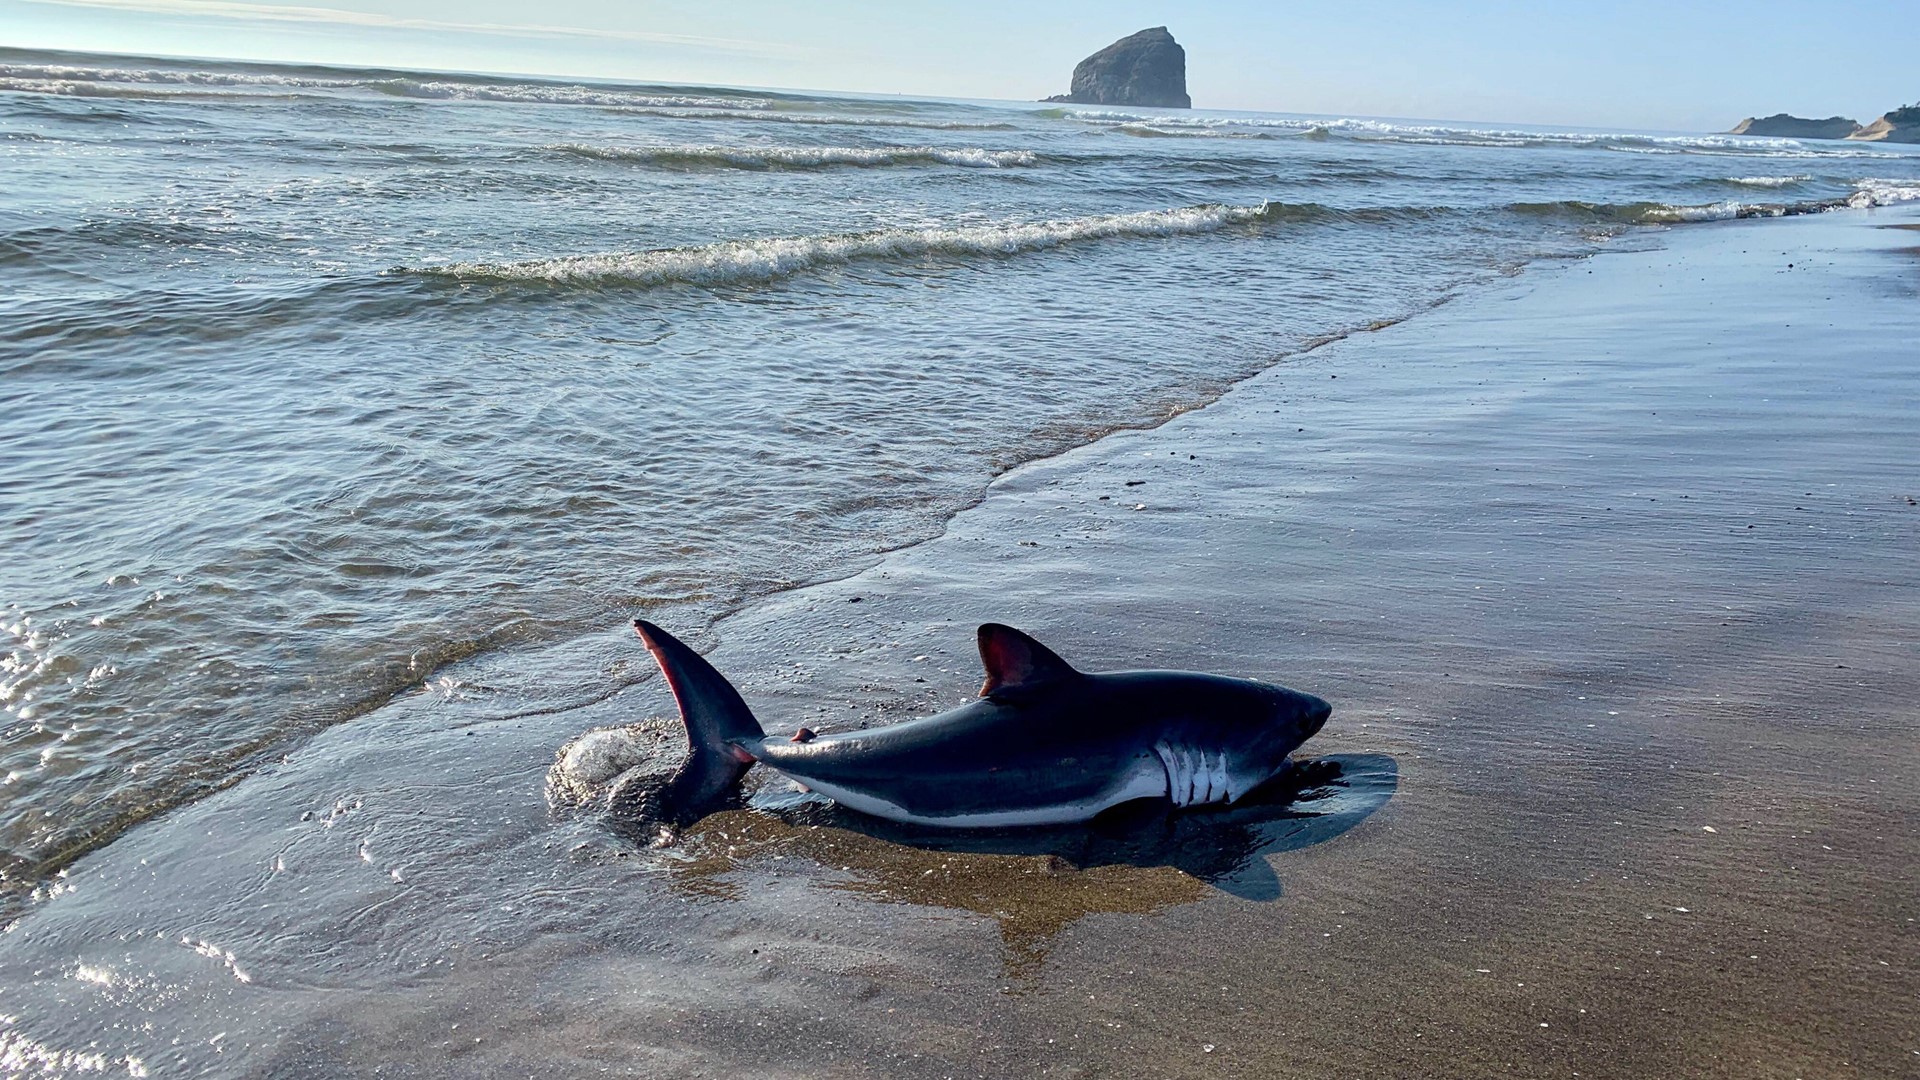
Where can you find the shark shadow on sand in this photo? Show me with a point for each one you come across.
(1137, 859)
(1055, 795)
(1225, 847)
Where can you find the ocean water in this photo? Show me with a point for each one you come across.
(315, 383)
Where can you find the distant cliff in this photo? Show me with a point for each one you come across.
(1901, 125)
(1148, 68)
(1780, 125)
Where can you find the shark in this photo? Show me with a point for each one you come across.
(1044, 744)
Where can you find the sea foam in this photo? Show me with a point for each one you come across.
(1873, 192)
(803, 157)
(1768, 181)
(745, 261)
(1163, 125)
(105, 81)
(544, 94)
(1720, 211)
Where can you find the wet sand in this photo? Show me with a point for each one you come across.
(1608, 572)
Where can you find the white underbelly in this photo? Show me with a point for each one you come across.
(1146, 780)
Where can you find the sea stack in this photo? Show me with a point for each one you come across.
(1148, 68)
(1902, 125)
(1783, 126)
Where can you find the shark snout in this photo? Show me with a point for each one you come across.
(1315, 713)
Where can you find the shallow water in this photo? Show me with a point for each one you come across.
(315, 382)
(1609, 585)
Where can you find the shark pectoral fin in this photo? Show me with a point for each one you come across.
(1014, 661)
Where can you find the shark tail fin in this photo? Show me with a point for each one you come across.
(718, 723)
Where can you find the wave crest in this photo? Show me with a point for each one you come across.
(1867, 194)
(803, 157)
(1873, 192)
(557, 94)
(1654, 213)
(1157, 125)
(1767, 181)
(747, 261)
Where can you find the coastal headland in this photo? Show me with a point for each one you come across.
(1900, 125)
(1610, 564)
(1784, 126)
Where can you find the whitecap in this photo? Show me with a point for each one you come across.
(1873, 192)
(1768, 181)
(743, 261)
(805, 157)
(543, 94)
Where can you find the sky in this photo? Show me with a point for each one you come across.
(1678, 65)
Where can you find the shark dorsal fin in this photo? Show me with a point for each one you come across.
(1016, 662)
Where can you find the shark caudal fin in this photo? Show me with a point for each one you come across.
(717, 720)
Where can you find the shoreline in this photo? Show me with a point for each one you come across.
(1585, 635)
(734, 349)
(1071, 568)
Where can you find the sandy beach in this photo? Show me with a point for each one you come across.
(1616, 566)
(1608, 571)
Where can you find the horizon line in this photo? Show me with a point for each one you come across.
(555, 77)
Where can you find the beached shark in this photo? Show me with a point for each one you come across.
(1044, 744)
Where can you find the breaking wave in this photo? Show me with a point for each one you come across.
(108, 81)
(72, 73)
(1766, 181)
(1873, 192)
(747, 261)
(1148, 131)
(1654, 213)
(545, 94)
(736, 262)
(827, 119)
(1867, 194)
(1155, 125)
(671, 107)
(121, 81)
(802, 157)
(81, 88)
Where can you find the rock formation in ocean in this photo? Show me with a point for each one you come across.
(1902, 125)
(1148, 68)
(1780, 125)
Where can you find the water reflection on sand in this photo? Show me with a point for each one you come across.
(1139, 859)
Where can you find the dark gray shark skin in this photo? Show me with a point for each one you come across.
(1044, 745)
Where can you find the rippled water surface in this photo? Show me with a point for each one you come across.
(313, 381)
